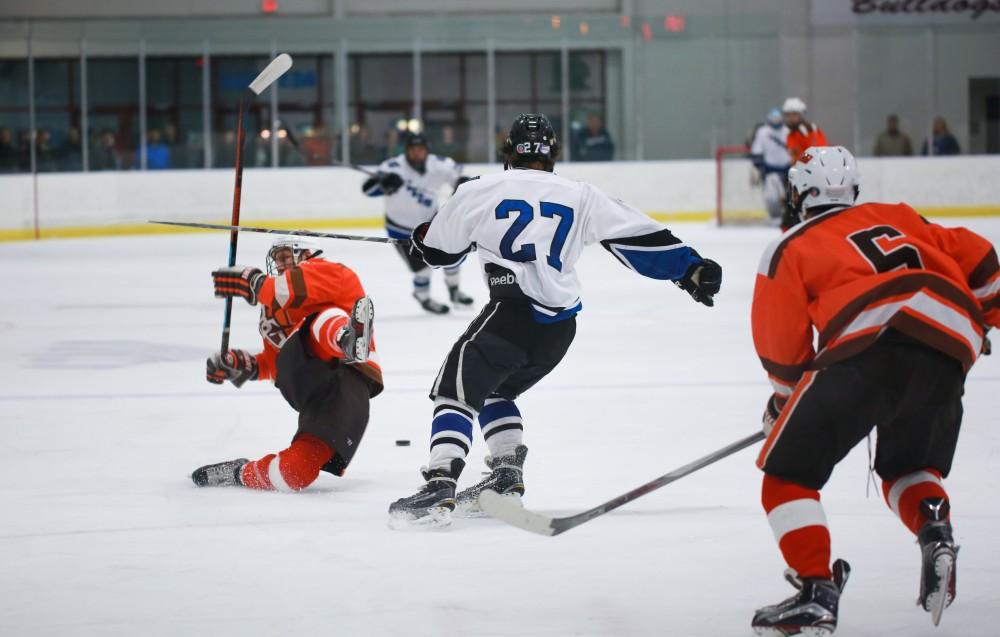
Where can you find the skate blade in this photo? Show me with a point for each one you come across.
(471, 508)
(944, 567)
(806, 631)
(436, 518)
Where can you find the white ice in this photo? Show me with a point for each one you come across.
(104, 412)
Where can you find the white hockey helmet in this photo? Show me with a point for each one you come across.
(823, 176)
(793, 105)
(297, 244)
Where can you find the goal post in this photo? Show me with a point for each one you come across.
(738, 196)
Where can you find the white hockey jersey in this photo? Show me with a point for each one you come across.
(417, 201)
(768, 151)
(535, 224)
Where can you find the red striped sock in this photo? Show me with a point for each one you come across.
(903, 495)
(293, 469)
(799, 525)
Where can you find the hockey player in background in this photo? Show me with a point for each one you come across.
(901, 307)
(770, 156)
(411, 183)
(316, 323)
(530, 227)
(801, 133)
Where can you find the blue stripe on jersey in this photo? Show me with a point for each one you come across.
(666, 262)
(548, 316)
(495, 411)
(451, 421)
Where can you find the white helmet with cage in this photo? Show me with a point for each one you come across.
(299, 247)
(824, 176)
(793, 105)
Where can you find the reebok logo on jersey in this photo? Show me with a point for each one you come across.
(505, 279)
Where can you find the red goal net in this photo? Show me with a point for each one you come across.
(738, 196)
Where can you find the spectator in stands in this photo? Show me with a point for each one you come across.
(105, 155)
(362, 149)
(178, 150)
(46, 157)
(224, 154)
(944, 142)
(9, 159)
(24, 150)
(317, 146)
(449, 146)
(893, 142)
(70, 154)
(157, 152)
(595, 142)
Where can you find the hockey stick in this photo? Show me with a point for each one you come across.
(266, 78)
(510, 511)
(299, 233)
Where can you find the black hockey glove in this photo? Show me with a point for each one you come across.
(702, 281)
(238, 366)
(390, 182)
(432, 256)
(772, 411)
(240, 280)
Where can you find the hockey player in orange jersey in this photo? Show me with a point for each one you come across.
(901, 307)
(316, 323)
(801, 133)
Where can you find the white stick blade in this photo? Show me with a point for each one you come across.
(510, 511)
(269, 75)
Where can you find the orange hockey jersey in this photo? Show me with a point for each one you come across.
(802, 137)
(851, 273)
(287, 299)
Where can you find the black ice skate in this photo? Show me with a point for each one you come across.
(222, 474)
(433, 503)
(356, 339)
(938, 551)
(813, 612)
(431, 305)
(459, 297)
(506, 478)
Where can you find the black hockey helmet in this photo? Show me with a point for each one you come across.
(531, 138)
(417, 161)
(416, 139)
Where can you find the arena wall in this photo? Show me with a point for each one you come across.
(84, 204)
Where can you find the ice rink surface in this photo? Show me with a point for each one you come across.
(104, 412)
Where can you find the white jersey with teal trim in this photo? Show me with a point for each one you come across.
(536, 224)
(417, 200)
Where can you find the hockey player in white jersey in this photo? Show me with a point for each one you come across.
(529, 227)
(411, 184)
(770, 156)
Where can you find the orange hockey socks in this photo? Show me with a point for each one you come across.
(903, 495)
(799, 525)
(293, 469)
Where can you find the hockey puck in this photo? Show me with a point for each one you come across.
(402, 443)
